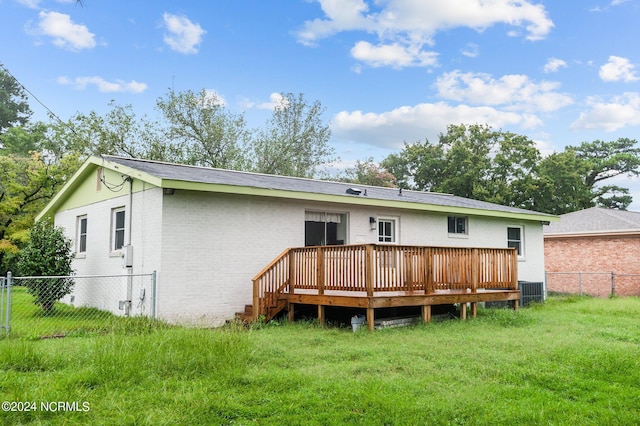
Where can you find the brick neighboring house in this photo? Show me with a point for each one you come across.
(590, 250)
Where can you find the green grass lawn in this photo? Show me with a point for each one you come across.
(572, 361)
(29, 321)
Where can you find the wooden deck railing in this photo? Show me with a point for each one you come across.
(371, 268)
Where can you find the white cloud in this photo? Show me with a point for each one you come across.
(182, 35)
(618, 69)
(393, 55)
(411, 123)
(514, 92)
(344, 15)
(211, 97)
(421, 19)
(553, 65)
(621, 111)
(65, 33)
(404, 27)
(275, 100)
(472, 50)
(81, 83)
(604, 9)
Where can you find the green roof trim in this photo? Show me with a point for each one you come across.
(343, 199)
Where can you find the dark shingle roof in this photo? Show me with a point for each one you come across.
(595, 220)
(180, 172)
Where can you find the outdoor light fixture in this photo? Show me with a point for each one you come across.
(372, 223)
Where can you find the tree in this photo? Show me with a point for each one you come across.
(367, 172)
(118, 132)
(605, 160)
(467, 162)
(27, 183)
(21, 140)
(514, 177)
(14, 108)
(205, 132)
(618, 198)
(562, 188)
(476, 162)
(419, 166)
(573, 178)
(471, 161)
(48, 253)
(295, 141)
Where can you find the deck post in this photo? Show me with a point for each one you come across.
(320, 270)
(256, 300)
(463, 311)
(369, 264)
(428, 282)
(514, 269)
(370, 319)
(321, 317)
(475, 265)
(292, 271)
(426, 314)
(290, 312)
(474, 309)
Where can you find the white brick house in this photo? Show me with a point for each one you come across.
(207, 232)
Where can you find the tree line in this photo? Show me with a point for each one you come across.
(469, 160)
(194, 128)
(477, 162)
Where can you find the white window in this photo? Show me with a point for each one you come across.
(457, 225)
(81, 238)
(515, 239)
(386, 230)
(118, 228)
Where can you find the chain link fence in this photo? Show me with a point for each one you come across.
(597, 284)
(35, 307)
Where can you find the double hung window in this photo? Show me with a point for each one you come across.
(118, 228)
(81, 235)
(515, 239)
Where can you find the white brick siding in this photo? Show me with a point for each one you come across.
(206, 247)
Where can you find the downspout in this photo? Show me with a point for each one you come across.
(128, 251)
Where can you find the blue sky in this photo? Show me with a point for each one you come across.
(387, 71)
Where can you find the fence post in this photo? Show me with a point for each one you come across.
(3, 286)
(9, 283)
(613, 283)
(580, 283)
(153, 294)
(544, 289)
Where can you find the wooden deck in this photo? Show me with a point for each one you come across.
(372, 276)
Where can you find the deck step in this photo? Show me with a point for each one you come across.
(246, 315)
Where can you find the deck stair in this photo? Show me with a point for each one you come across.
(274, 307)
(246, 315)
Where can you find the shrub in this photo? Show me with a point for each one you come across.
(48, 253)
